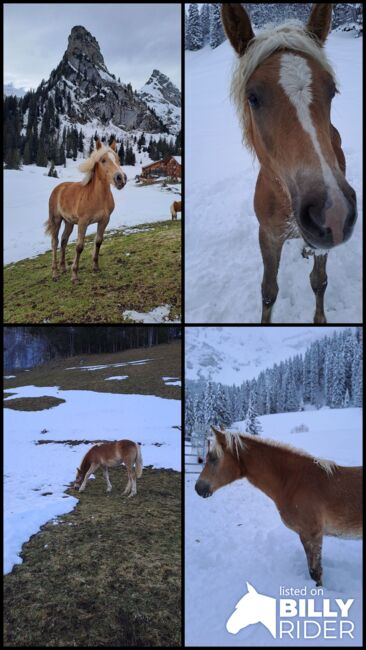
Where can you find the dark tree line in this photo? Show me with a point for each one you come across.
(33, 345)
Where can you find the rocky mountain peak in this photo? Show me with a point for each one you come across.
(168, 90)
(82, 43)
(164, 98)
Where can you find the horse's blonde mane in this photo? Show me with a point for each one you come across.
(235, 441)
(291, 35)
(88, 165)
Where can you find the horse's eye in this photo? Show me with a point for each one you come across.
(103, 161)
(253, 100)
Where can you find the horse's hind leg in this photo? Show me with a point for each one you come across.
(271, 248)
(313, 548)
(79, 249)
(64, 239)
(128, 487)
(133, 483)
(319, 281)
(98, 242)
(106, 476)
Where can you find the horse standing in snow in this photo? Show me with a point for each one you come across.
(83, 203)
(314, 497)
(111, 454)
(283, 86)
(174, 208)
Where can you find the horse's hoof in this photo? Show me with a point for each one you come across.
(75, 280)
(55, 278)
(96, 270)
(64, 269)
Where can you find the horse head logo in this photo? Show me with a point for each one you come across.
(253, 608)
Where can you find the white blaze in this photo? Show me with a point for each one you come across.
(296, 79)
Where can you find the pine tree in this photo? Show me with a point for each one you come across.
(221, 415)
(205, 22)
(217, 35)
(41, 160)
(194, 29)
(252, 424)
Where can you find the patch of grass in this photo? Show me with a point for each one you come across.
(108, 575)
(139, 271)
(32, 403)
(6, 394)
(144, 379)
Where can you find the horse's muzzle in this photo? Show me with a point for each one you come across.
(203, 489)
(120, 180)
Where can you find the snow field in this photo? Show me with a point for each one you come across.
(31, 470)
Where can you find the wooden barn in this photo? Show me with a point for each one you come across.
(171, 167)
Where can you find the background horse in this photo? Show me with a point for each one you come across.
(83, 203)
(283, 86)
(174, 208)
(111, 454)
(314, 497)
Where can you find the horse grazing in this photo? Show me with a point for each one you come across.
(83, 203)
(111, 454)
(283, 86)
(174, 208)
(314, 497)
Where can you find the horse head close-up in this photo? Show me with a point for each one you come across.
(283, 86)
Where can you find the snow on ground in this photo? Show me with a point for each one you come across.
(31, 470)
(9, 376)
(118, 377)
(158, 315)
(223, 261)
(26, 195)
(237, 536)
(172, 381)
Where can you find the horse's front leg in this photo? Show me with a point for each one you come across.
(313, 548)
(79, 249)
(106, 476)
(56, 224)
(93, 467)
(64, 239)
(271, 248)
(133, 483)
(98, 242)
(319, 281)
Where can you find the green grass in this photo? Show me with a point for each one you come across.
(139, 271)
(33, 403)
(107, 575)
(144, 379)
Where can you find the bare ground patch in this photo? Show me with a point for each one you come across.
(33, 403)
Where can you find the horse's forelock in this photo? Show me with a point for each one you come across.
(87, 166)
(291, 36)
(233, 442)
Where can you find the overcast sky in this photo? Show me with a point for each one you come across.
(133, 38)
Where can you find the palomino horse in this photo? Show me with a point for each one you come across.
(174, 208)
(89, 201)
(283, 87)
(314, 497)
(111, 454)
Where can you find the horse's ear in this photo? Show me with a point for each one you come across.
(320, 21)
(98, 144)
(251, 589)
(113, 145)
(237, 26)
(220, 437)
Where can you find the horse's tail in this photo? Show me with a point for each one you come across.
(50, 224)
(173, 212)
(138, 461)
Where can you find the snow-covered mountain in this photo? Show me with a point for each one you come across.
(232, 354)
(93, 92)
(164, 98)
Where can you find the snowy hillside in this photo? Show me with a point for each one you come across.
(237, 536)
(230, 354)
(223, 261)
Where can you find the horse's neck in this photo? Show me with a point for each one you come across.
(85, 465)
(265, 470)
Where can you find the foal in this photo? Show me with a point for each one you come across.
(111, 454)
(314, 497)
(283, 86)
(83, 203)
